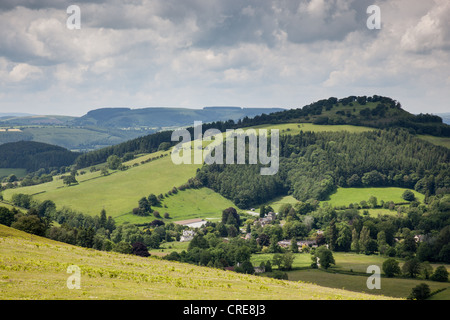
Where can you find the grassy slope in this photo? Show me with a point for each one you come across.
(439, 141)
(345, 196)
(118, 192)
(295, 128)
(36, 268)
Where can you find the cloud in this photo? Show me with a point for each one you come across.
(212, 52)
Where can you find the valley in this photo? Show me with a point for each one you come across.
(365, 193)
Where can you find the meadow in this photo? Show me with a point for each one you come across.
(439, 141)
(184, 205)
(119, 192)
(295, 128)
(345, 196)
(32, 267)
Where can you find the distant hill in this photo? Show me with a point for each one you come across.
(110, 126)
(33, 155)
(165, 117)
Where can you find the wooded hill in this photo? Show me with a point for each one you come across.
(313, 165)
(33, 156)
(376, 111)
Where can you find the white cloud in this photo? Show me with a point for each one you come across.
(211, 52)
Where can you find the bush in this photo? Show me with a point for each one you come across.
(140, 249)
(408, 195)
(420, 292)
(440, 274)
(391, 267)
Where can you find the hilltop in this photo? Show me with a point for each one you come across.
(32, 267)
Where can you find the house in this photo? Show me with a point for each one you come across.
(300, 244)
(259, 269)
(271, 216)
(188, 235)
(419, 237)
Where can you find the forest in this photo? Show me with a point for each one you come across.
(33, 156)
(313, 165)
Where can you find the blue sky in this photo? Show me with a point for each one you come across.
(196, 53)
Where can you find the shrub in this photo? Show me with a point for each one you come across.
(420, 292)
(391, 267)
(440, 274)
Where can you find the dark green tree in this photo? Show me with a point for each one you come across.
(391, 267)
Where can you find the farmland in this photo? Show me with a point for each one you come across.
(349, 273)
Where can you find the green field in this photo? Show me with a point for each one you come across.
(345, 196)
(118, 193)
(354, 268)
(35, 268)
(439, 141)
(295, 128)
(394, 287)
(187, 204)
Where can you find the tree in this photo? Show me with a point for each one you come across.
(123, 247)
(325, 256)
(411, 267)
(440, 274)
(153, 200)
(420, 292)
(113, 162)
(245, 267)
(287, 260)
(6, 216)
(104, 171)
(355, 241)
(373, 202)
(294, 246)
(426, 269)
(391, 267)
(408, 195)
(230, 216)
(331, 235)
(144, 205)
(31, 224)
(140, 249)
(103, 219)
(364, 238)
(69, 180)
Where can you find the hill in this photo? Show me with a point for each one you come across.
(42, 264)
(105, 127)
(164, 117)
(33, 156)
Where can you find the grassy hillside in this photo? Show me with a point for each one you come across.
(345, 196)
(187, 204)
(36, 268)
(118, 192)
(439, 141)
(295, 128)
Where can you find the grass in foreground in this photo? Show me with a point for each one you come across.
(36, 268)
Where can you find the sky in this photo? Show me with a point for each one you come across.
(196, 53)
